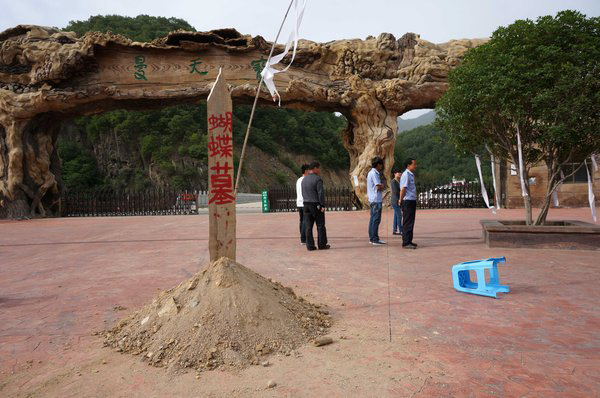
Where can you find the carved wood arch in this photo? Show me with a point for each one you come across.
(46, 75)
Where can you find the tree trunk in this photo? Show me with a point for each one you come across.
(552, 182)
(528, 212)
(30, 183)
(527, 199)
(371, 132)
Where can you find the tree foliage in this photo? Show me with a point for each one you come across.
(79, 168)
(540, 79)
(141, 28)
(438, 159)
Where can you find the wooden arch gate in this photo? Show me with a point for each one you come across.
(47, 75)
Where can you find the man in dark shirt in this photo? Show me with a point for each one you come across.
(313, 196)
(397, 226)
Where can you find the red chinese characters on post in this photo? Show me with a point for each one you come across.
(220, 146)
(221, 183)
(221, 121)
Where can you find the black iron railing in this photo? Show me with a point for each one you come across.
(451, 196)
(96, 203)
(151, 202)
(429, 196)
(337, 199)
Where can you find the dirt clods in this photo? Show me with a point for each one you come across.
(225, 315)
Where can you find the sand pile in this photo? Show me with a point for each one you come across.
(226, 315)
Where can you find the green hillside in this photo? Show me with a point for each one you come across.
(437, 159)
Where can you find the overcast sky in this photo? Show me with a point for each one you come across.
(324, 20)
(435, 20)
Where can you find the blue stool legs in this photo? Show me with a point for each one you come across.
(462, 280)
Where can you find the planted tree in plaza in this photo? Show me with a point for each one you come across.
(537, 80)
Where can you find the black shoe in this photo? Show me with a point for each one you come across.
(326, 247)
(414, 244)
(310, 248)
(409, 246)
(396, 233)
(379, 242)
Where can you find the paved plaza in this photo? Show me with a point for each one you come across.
(63, 280)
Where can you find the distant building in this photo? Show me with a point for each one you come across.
(572, 193)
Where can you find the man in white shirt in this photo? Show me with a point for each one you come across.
(374, 193)
(300, 203)
(408, 200)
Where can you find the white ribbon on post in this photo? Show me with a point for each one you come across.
(483, 190)
(521, 166)
(555, 197)
(555, 192)
(268, 73)
(493, 164)
(591, 196)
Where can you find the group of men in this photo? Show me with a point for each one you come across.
(403, 201)
(310, 200)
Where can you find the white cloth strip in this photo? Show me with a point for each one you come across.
(591, 196)
(214, 84)
(493, 163)
(521, 166)
(483, 190)
(555, 192)
(269, 72)
(594, 162)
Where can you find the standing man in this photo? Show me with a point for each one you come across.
(397, 227)
(374, 193)
(314, 207)
(300, 203)
(408, 198)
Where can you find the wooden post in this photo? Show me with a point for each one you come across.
(221, 199)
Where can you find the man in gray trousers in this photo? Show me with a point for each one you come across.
(313, 196)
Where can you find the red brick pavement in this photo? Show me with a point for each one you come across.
(63, 279)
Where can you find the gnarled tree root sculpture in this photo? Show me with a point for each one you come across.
(47, 75)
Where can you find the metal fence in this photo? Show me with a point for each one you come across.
(150, 202)
(451, 196)
(337, 199)
(429, 196)
(171, 202)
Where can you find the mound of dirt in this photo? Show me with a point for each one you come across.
(226, 315)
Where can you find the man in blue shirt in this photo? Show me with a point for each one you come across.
(408, 199)
(374, 193)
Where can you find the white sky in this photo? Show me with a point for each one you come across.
(435, 20)
(324, 20)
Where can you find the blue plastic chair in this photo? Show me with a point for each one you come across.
(462, 280)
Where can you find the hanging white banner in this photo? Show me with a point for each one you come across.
(493, 164)
(555, 197)
(483, 190)
(521, 166)
(591, 196)
(268, 73)
(555, 192)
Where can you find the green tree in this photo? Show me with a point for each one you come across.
(540, 80)
(141, 28)
(79, 168)
(438, 159)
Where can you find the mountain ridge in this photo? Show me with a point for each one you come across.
(409, 124)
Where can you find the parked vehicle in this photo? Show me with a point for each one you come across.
(188, 202)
